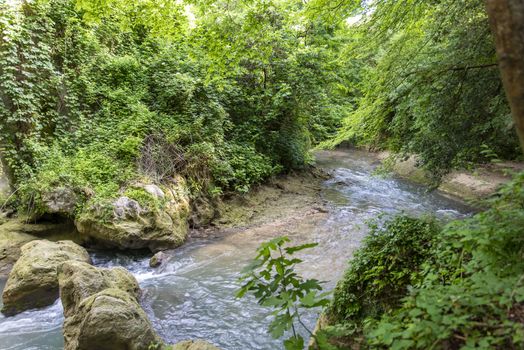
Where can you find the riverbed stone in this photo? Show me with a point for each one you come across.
(33, 281)
(127, 224)
(158, 259)
(194, 345)
(101, 309)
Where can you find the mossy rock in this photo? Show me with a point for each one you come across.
(102, 310)
(14, 233)
(109, 320)
(33, 281)
(157, 219)
(11, 242)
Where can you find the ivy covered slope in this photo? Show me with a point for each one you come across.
(414, 285)
(114, 110)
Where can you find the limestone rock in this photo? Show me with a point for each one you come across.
(202, 212)
(10, 244)
(127, 224)
(14, 233)
(60, 200)
(79, 280)
(154, 190)
(194, 345)
(33, 280)
(101, 309)
(158, 259)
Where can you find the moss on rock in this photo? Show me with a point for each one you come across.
(102, 310)
(156, 218)
(33, 280)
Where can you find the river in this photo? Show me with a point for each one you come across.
(192, 295)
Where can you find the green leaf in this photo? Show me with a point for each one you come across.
(292, 250)
(294, 343)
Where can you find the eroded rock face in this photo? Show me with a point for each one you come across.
(101, 309)
(202, 212)
(60, 200)
(33, 280)
(14, 233)
(125, 223)
(194, 345)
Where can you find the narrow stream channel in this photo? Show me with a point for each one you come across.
(192, 296)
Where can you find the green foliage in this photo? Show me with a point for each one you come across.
(96, 95)
(465, 291)
(272, 279)
(144, 198)
(428, 81)
(382, 270)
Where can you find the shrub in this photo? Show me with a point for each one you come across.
(412, 286)
(382, 270)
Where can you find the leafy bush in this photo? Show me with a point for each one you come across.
(472, 293)
(381, 271)
(272, 279)
(466, 288)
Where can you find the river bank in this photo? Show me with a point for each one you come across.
(471, 185)
(191, 295)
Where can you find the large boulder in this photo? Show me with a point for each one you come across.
(33, 280)
(14, 233)
(159, 220)
(101, 309)
(11, 241)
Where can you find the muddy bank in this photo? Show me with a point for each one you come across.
(282, 201)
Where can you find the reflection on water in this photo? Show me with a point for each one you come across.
(192, 296)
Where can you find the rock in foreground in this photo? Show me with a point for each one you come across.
(194, 345)
(10, 245)
(101, 309)
(159, 221)
(33, 280)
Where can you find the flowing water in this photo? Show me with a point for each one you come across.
(192, 296)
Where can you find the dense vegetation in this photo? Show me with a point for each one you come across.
(96, 95)
(422, 78)
(433, 89)
(414, 286)
(228, 93)
(427, 82)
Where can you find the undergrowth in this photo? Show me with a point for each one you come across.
(415, 286)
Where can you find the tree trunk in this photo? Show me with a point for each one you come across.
(507, 23)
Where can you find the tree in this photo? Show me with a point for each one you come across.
(507, 23)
